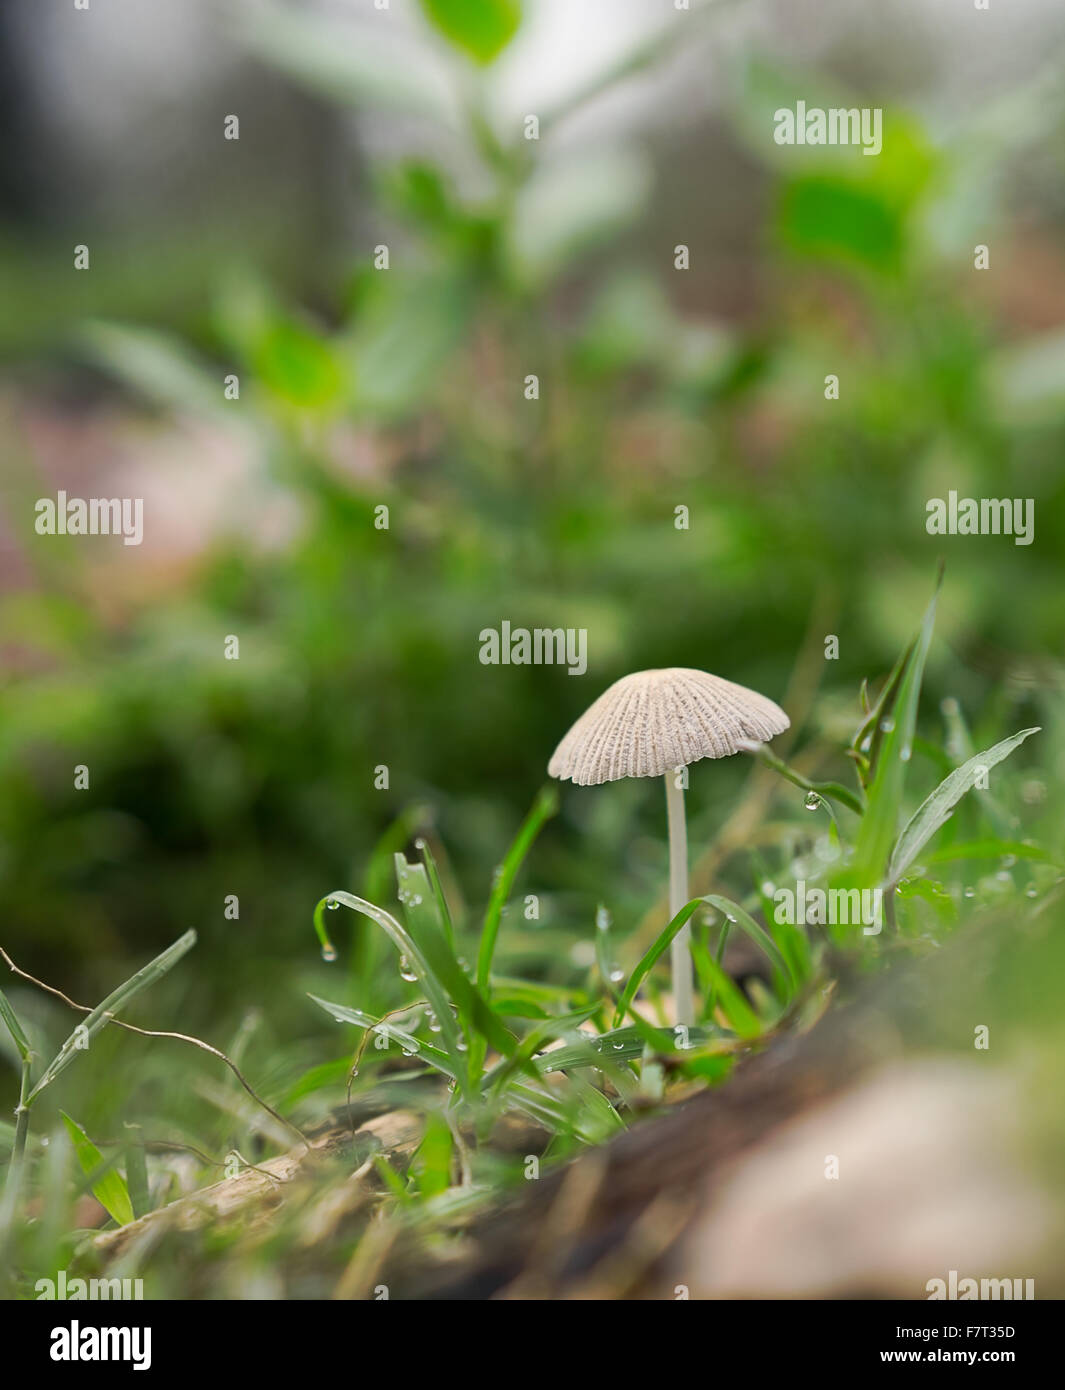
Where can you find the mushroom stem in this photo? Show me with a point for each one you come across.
(680, 954)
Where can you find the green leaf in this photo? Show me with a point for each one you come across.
(14, 1027)
(110, 1190)
(429, 932)
(157, 365)
(137, 1178)
(298, 367)
(840, 220)
(434, 1056)
(732, 1002)
(431, 1163)
(650, 957)
(543, 808)
(435, 991)
(739, 1012)
(482, 28)
(936, 809)
(753, 930)
(103, 1013)
(879, 825)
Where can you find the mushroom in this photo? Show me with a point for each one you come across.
(654, 724)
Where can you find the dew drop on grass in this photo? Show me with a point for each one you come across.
(1031, 892)
(768, 889)
(329, 953)
(905, 754)
(811, 801)
(970, 892)
(405, 971)
(616, 975)
(1008, 861)
(887, 725)
(331, 904)
(603, 919)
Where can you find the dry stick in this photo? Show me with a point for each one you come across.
(166, 1145)
(154, 1033)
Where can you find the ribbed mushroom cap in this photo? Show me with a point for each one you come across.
(653, 721)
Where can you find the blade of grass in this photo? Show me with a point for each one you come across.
(110, 1190)
(936, 808)
(754, 931)
(478, 1019)
(422, 846)
(732, 912)
(543, 808)
(99, 1017)
(879, 825)
(407, 947)
(435, 1056)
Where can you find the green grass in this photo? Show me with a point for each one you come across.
(467, 1048)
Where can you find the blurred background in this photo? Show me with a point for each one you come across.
(703, 387)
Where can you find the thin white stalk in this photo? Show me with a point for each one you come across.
(680, 954)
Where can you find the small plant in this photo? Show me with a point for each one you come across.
(578, 1060)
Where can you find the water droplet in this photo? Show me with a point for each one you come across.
(1003, 876)
(353, 1073)
(1031, 892)
(905, 754)
(461, 1045)
(618, 1046)
(1008, 861)
(729, 917)
(405, 971)
(329, 953)
(970, 892)
(768, 889)
(603, 919)
(887, 725)
(811, 801)
(331, 904)
(419, 843)
(616, 975)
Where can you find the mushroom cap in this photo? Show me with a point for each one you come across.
(654, 721)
